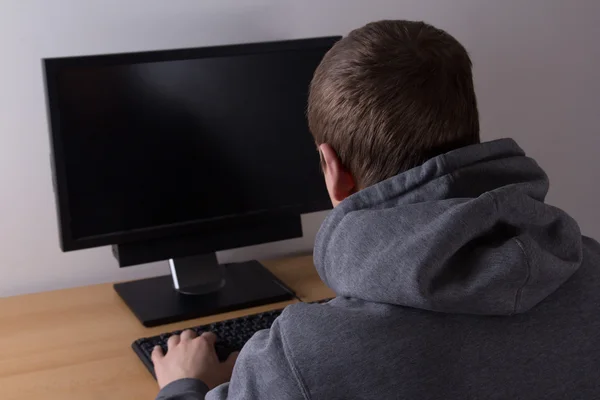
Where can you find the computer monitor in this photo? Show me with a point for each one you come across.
(173, 155)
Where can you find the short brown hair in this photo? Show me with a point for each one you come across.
(391, 95)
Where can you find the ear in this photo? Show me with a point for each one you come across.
(340, 182)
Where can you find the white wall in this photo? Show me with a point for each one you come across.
(537, 71)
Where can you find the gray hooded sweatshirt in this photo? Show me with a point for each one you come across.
(454, 281)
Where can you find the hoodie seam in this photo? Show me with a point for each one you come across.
(446, 167)
(519, 293)
(295, 371)
(521, 246)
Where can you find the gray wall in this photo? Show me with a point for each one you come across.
(537, 71)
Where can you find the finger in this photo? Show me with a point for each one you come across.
(210, 338)
(157, 354)
(188, 334)
(173, 341)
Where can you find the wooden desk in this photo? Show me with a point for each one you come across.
(75, 343)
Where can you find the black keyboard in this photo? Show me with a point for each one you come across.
(232, 335)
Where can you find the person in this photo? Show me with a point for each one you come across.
(454, 280)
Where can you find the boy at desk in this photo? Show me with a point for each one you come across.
(454, 279)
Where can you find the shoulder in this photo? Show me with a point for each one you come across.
(301, 324)
(308, 331)
(302, 316)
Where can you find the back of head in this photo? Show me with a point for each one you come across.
(391, 95)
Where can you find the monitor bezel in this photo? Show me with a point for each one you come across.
(51, 69)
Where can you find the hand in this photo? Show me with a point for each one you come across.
(189, 356)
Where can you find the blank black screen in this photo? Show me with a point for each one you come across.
(162, 143)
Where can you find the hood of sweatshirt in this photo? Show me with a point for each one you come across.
(466, 232)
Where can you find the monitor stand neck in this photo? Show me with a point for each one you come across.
(197, 275)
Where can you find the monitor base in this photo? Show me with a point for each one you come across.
(155, 302)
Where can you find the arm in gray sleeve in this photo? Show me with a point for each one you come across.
(264, 370)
